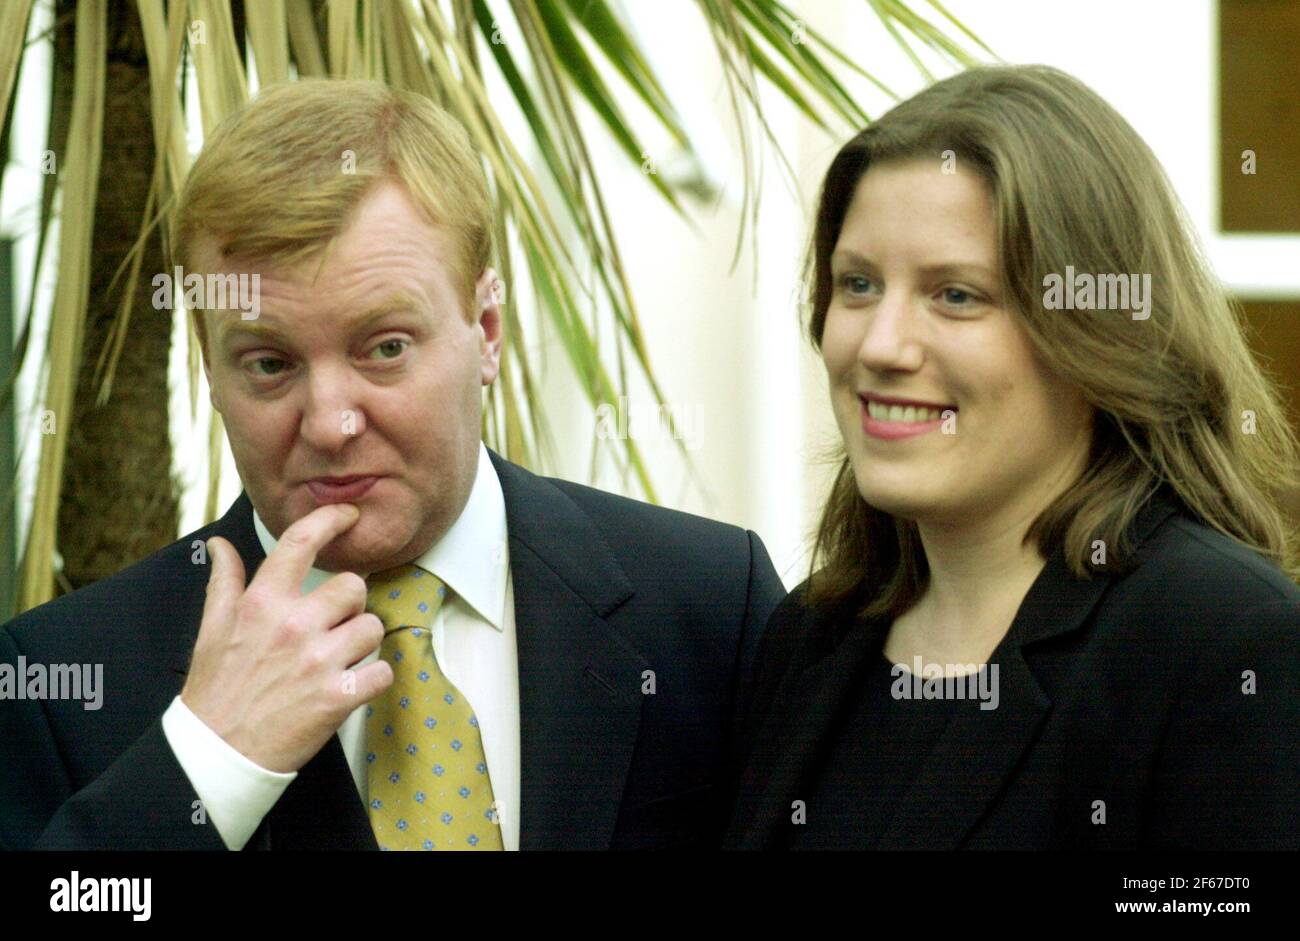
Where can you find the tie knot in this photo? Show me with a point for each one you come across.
(405, 596)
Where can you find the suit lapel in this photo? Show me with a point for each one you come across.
(806, 713)
(579, 678)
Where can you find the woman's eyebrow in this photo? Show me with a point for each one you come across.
(949, 268)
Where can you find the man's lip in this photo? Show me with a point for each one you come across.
(893, 400)
(341, 489)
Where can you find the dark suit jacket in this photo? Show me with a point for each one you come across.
(604, 589)
(1122, 689)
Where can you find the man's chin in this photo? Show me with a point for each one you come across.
(340, 556)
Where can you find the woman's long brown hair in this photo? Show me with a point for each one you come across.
(1180, 403)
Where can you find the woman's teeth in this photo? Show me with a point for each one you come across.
(902, 413)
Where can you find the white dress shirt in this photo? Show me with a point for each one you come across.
(473, 639)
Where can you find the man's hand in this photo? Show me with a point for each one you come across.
(270, 667)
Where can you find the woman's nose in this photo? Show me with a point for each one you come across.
(890, 341)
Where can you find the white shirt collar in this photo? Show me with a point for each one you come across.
(472, 557)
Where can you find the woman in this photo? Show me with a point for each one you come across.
(1053, 600)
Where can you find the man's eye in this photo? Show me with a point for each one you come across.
(389, 349)
(273, 366)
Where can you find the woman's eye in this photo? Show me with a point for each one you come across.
(389, 349)
(855, 283)
(957, 297)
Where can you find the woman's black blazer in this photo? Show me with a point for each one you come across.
(1165, 701)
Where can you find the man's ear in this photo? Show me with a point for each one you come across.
(489, 295)
(203, 341)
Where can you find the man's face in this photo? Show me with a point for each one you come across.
(360, 382)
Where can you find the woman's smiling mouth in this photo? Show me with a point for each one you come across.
(890, 418)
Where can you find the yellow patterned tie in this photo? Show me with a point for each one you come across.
(429, 785)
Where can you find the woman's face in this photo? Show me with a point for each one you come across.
(947, 415)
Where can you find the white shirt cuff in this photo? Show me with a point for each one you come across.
(236, 792)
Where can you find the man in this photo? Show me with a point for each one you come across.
(394, 637)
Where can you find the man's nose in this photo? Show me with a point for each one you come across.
(891, 341)
(332, 413)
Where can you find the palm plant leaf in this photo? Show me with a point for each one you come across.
(81, 178)
(13, 22)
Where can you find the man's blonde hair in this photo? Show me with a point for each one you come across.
(278, 180)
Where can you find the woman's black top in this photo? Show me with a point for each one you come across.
(885, 735)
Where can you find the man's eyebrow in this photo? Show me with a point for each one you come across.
(265, 328)
(848, 257)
